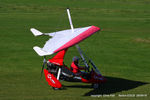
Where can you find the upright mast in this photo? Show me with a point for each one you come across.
(70, 21)
(77, 46)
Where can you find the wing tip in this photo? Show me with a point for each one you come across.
(97, 28)
(40, 52)
(36, 32)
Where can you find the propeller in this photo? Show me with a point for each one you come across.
(44, 62)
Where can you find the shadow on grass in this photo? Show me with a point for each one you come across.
(112, 85)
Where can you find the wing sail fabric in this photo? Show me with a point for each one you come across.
(36, 32)
(65, 39)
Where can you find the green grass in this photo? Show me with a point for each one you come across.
(120, 50)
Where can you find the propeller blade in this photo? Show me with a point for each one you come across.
(44, 62)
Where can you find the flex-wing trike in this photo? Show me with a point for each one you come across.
(59, 43)
(57, 70)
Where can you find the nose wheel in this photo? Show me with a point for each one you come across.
(56, 88)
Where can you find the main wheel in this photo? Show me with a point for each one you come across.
(95, 85)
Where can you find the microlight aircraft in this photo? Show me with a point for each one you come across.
(58, 44)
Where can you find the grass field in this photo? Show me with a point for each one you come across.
(121, 50)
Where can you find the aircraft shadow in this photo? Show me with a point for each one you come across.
(112, 85)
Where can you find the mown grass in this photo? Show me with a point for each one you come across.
(120, 50)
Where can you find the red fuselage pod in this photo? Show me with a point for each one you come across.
(52, 80)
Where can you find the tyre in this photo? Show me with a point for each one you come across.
(95, 85)
(56, 88)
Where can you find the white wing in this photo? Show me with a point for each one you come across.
(64, 39)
